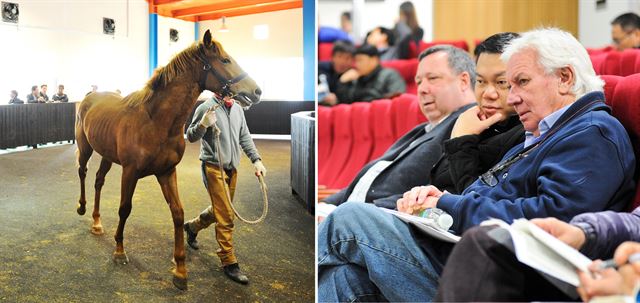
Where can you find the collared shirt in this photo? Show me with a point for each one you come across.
(361, 189)
(544, 126)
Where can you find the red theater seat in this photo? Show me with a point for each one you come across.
(362, 143)
(404, 113)
(324, 136)
(610, 82)
(628, 61)
(611, 65)
(596, 51)
(415, 51)
(597, 61)
(407, 70)
(382, 124)
(324, 51)
(626, 107)
(341, 146)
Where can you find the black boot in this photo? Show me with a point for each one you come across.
(191, 237)
(233, 272)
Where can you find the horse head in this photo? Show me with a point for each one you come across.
(221, 74)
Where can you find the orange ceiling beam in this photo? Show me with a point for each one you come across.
(163, 2)
(223, 5)
(278, 6)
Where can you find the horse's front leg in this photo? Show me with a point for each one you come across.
(169, 186)
(129, 181)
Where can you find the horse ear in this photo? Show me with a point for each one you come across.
(207, 39)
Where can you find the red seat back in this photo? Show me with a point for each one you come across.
(597, 61)
(382, 123)
(407, 70)
(341, 146)
(405, 118)
(611, 65)
(626, 107)
(324, 51)
(325, 138)
(610, 82)
(362, 143)
(628, 61)
(596, 51)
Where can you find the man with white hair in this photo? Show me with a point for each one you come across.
(576, 158)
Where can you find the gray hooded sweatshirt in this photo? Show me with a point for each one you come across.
(234, 134)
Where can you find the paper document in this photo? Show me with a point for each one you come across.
(425, 225)
(544, 252)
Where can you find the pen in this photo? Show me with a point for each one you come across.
(612, 264)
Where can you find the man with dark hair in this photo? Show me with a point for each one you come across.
(369, 80)
(625, 31)
(60, 96)
(14, 98)
(341, 61)
(34, 96)
(43, 93)
(560, 103)
(384, 40)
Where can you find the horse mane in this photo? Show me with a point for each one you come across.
(164, 75)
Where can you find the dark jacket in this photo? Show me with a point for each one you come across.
(606, 230)
(587, 165)
(410, 167)
(32, 99)
(62, 98)
(467, 157)
(44, 96)
(380, 83)
(16, 101)
(326, 68)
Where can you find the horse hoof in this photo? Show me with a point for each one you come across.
(81, 209)
(97, 230)
(180, 283)
(120, 258)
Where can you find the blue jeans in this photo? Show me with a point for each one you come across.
(365, 254)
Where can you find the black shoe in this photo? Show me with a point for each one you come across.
(191, 237)
(233, 272)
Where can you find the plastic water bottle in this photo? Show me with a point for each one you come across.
(437, 216)
(323, 87)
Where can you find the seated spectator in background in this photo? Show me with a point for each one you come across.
(445, 79)
(60, 96)
(14, 98)
(94, 88)
(43, 93)
(482, 268)
(345, 23)
(34, 96)
(341, 61)
(407, 29)
(117, 91)
(576, 158)
(384, 40)
(369, 80)
(625, 31)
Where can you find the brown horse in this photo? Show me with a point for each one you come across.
(143, 132)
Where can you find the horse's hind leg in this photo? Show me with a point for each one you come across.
(83, 154)
(105, 166)
(169, 187)
(129, 181)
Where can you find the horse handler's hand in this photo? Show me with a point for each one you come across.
(260, 169)
(209, 118)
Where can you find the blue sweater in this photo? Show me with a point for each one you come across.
(586, 166)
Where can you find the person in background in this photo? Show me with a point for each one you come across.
(345, 23)
(60, 96)
(369, 80)
(43, 93)
(341, 61)
(14, 98)
(384, 40)
(625, 31)
(34, 96)
(407, 29)
(117, 91)
(94, 88)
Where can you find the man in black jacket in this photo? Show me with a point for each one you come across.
(14, 98)
(341, 61)
(479, 138)
(369, 80)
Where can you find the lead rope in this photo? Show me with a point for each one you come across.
(223, 175)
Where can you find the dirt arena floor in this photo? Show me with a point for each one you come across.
(47, 253)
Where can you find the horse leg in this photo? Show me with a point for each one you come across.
(105, 166)
(129, 181)
(83, 154)
(169, 187)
